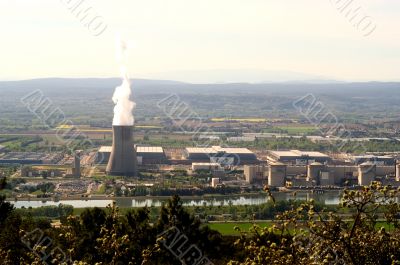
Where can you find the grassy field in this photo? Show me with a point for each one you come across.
(229, 228)
(239, 119)
(293, 129)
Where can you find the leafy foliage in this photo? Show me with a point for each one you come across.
(366, 231)
(307, 236)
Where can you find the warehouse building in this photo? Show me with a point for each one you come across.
(221, 155)
(297, 157)
(378, 160)
(150, 155)
(205, 166)
(103, 155)
(30, 158)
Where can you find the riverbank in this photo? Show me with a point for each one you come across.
(206, 196)
(329, 198)
(105, 197)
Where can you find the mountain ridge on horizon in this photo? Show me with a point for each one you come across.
(150, 81)
(219, 76)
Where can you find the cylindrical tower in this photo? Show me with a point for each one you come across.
(277, 174)
(77, 164)
(366, 173)
(314, 171)
(397, 170)
(123, 161)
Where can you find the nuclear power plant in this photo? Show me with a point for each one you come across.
(123, 160)
(278, 174)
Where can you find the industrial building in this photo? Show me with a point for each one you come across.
(278, 174)
(150, 155)
(205, 166)
(378, 160)
(29, 172)
(297, 157)
(30, 158)
(255, 173)
(215, 182)
(146, 155)
(103, 155)
(221, 155)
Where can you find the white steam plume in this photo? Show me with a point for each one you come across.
(124, 106)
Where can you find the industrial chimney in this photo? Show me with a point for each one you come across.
(123, 161)
(77, 164)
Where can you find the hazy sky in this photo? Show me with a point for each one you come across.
(178, 39)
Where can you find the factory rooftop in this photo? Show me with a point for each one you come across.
(30, 158)
(218, 149)
(297, 155)
(220, 154)
(139, 149)
(145, 154)
(105, 149)
(149, 149)
(377, 159)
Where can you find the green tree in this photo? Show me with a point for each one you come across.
(305, 235)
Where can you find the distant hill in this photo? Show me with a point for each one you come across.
(145, 86)
(90, 98)
(79, 82)
(240, 76)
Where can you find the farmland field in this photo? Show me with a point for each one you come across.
(292, 129)
(239, 119)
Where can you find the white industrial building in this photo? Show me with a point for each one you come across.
(205, 166)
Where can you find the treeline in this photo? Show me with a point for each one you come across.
(303, 234)
(160, 191)
(54, 212)
(100, 236)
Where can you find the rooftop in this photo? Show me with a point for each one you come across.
(298, 153)
(206, 164)
(139, 149)
(38, 156)
(149, 149)
(217, 149)
(105, 149)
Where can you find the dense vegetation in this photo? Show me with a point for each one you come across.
(304, 234)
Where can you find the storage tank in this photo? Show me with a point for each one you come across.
(123, 161)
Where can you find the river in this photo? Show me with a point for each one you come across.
(329, 198)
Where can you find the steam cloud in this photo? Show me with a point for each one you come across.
(124, 106)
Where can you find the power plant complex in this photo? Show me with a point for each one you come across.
(278, 174)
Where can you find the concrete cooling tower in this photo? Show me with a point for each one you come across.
(123, 161)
